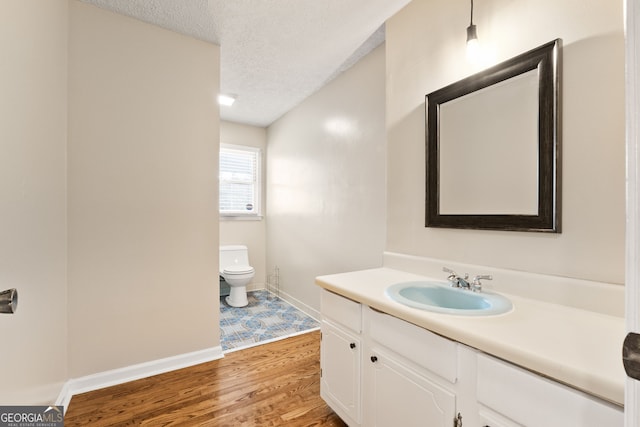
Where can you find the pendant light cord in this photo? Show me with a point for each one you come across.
(471, 23)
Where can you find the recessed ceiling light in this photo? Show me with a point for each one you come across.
(226, 99)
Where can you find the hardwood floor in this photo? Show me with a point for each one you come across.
(276, 384)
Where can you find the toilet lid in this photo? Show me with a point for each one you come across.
(238, 269)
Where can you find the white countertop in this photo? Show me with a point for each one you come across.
(580, 348)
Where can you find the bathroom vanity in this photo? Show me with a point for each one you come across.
(541, 364)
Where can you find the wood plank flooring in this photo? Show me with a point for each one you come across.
(276, 384)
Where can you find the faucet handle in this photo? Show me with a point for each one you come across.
(476, 285)
(452, 278)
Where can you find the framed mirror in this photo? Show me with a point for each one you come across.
(493, 147)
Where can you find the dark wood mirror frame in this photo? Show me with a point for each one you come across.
(546, 59)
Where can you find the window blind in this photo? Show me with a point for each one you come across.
(239, 180)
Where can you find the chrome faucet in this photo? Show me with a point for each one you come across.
(456, 281)
(462, 282)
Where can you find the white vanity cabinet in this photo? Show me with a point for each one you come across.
(340, 356)
(381, 371)
(408, 374)
(509, 396)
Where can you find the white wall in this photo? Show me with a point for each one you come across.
(251, 233)
(426, 50)
(142, 206)
(326, 182)
(33, 138)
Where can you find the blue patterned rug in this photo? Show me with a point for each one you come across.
(266, 318)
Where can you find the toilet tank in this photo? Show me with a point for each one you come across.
(233, 255)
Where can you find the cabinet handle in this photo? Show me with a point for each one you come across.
(457, 421)
(630, 355)
(352, 345)
(374, 359)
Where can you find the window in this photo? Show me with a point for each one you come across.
(240, 182)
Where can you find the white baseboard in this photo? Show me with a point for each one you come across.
(134, 372)
(306, 309)
(65, 395)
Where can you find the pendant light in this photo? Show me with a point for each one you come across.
(473, 46)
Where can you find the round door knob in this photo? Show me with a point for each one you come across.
(374, 359)
(352, 345)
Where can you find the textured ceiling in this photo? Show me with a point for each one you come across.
(274, 53)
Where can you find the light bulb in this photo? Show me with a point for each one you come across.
(473, 50)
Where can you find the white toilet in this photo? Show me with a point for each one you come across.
(235, 268)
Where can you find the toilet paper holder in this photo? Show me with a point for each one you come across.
(9, 301)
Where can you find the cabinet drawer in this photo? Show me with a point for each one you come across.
(426, 349)
(531, 400)
(341, 310)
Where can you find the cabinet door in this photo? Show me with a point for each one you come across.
(340, 367)
(396, 395)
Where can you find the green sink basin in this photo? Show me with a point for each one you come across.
(441, 298)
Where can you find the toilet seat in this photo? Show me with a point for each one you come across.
(237, 270)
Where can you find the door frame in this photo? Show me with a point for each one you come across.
(632, 241)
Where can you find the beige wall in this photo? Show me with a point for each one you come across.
(251, 233)
(33, 137)
(142, 203)
(326, 182)
(425, 51)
